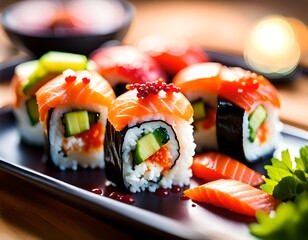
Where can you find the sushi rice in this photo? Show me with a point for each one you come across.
(254, 150)
(74, 154)
(30, 134)
(148, 175)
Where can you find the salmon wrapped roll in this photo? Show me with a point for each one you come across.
(28, 78)
(73, 108)
(200, 83)
(151, 138)
(247, 120)
(235, 110)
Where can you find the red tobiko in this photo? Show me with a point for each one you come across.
(86, 80)
(144, 89)
(70, 78)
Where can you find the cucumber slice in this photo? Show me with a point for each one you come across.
(76, 122)
(150, 144)
(32, 110)
(255, 120)
(199, 110)
(52, 64)
(60, 61)
(35, 80)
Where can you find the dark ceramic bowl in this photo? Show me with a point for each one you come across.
(77, 26)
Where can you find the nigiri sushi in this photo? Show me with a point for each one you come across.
(125, 64)
(73, 108)
(212, 166)
(150, 140)
(28, 78)
(233, 195)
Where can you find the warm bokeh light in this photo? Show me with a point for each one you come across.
(272, 47)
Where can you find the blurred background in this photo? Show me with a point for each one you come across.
(223, 25)
(271, 35)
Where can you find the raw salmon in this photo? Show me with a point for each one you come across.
(244, 88)
(88, 87)
(128, 107)
(213, 165)
(233, 195)
(172, 54)
(199, 76)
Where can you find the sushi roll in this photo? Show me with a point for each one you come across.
(121, 65)
(247, 120)
(73, 108)
(235, 111)
(172, 54)
(200, 83)
(150, 138)
(28, 78)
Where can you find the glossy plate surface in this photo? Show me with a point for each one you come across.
(154, 214)
(167, 216)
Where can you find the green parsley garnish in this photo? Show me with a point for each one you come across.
(287, 179)
(289, 221)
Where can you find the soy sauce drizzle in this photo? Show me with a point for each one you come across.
(125, 198)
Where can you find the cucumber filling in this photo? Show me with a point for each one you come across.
(255, 120)
(76, 122)
(32, 110)
(199, 110)
(150, 144)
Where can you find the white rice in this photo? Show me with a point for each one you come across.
(254, 150)
(74, 155)
(30, 134)
(148, 175)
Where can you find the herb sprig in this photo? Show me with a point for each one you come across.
(287, 179)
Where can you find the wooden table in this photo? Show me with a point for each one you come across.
(27, 212)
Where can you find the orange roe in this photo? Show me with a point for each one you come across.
(210, 118)
(92, 137)
(262, 133)
(161, 157)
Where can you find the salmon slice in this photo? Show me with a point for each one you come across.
(199, 76)
(244, 88)
(213, 165)
(88, 87)
(128, 107)
(233, 195)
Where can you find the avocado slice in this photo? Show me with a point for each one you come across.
(50, 65)
(150, 144)
(199, 110)
(32, 110)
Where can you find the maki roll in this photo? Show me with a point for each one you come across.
(28, 78)
(150, 138)
(235, 111)
(247, 121)
(121, 65)
(73, 107)
(200, 83)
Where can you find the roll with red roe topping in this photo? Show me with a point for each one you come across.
(151, 127)
(235, 110)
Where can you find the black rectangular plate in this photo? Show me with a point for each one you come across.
(161, 216)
